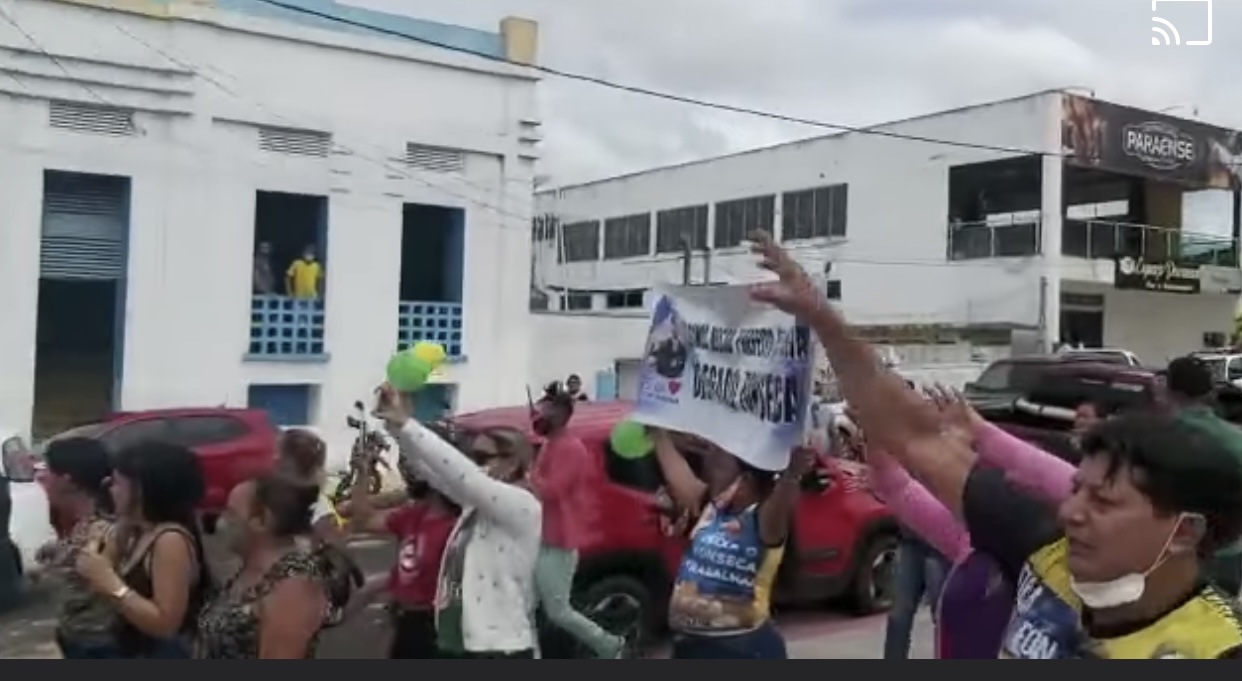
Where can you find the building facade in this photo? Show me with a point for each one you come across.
(165, 166)
(1011, 234)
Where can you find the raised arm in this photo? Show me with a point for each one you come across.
(916, 508)
(1040, 473)
(462, 481)
(892, 415)
(686, 489)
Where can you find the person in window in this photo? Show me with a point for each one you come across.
(77, 487)
(152, 569)
(720, 608)
(304, 278)
(421, 527)
(1118, 574)
(562, 478)
(485, 598)
(573, 386)
(263, 279)
(276, 605)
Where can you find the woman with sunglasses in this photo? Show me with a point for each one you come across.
(485, 599)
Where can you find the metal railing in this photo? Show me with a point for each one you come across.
(980, 240)
(1090, 239)
(1094, 239)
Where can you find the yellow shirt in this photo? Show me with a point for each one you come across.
(305, 278)
(1046, 623)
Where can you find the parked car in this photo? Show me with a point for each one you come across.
(1102, 355)
(842, 544)
(1226, 365)
(1038, 398)
(25, 524)
(232, 444)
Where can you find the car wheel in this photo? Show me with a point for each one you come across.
(873, 575)
(621, 605)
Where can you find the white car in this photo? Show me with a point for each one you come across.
(30, 523)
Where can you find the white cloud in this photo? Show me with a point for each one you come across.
(845, 61)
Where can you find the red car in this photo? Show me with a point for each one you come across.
(842, 545)
(233, 445)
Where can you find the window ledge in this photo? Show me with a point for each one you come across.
(288, 359)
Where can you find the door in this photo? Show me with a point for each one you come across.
(84, 219)
(627, 371)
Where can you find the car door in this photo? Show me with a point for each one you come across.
(822, 537)
(218, 442)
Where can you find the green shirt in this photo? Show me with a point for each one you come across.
(450, 610)
(1224, 432)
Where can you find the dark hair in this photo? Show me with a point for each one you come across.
(1190, 378)
(573, 377)
(302, 452)
(512, 443)
(86, 463)
(289, 501)
(170, 487)
(555, 395)
(1180, 467)
(765, 481)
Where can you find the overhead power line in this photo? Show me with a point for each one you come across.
(659, 94)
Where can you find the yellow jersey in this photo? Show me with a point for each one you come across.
(1046, 622)
(304, 277)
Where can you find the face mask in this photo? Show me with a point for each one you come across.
(1126, 589)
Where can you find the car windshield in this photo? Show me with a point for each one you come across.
(1007, 377)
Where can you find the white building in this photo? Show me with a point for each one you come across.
(1017, 228)
(150, 146)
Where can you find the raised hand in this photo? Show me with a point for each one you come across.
(959, 418)
(794, 291)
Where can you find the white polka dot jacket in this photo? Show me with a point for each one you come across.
(498, 592)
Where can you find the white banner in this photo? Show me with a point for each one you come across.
(729, 370)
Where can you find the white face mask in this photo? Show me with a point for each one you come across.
(1126, 589)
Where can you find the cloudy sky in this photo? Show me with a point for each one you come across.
(844, 61)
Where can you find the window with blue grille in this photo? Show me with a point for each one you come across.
(286, 405)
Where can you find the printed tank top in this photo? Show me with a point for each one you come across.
(724, 585)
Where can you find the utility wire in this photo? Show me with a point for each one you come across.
(660, 94)
(8, 19)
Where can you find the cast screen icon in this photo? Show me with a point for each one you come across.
(1190, 14)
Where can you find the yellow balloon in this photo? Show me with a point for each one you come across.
(431, 353)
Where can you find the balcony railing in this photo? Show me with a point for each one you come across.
(420, 320)
(282, 327)
(979, 240)
(1104, 239)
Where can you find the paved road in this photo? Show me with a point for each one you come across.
(27, 632)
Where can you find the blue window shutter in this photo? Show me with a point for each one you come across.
(605, 385)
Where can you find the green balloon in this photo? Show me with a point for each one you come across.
(407, 373)
(629, 440)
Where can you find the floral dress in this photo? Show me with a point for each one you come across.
(228, 628)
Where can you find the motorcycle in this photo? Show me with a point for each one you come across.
(368, 450)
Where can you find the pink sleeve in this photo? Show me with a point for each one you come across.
(1025, 464)
(918, 510)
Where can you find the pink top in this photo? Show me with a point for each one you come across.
(1024, 464)
(562, 478)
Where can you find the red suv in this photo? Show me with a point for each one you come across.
(842, 545)
(232, 444)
